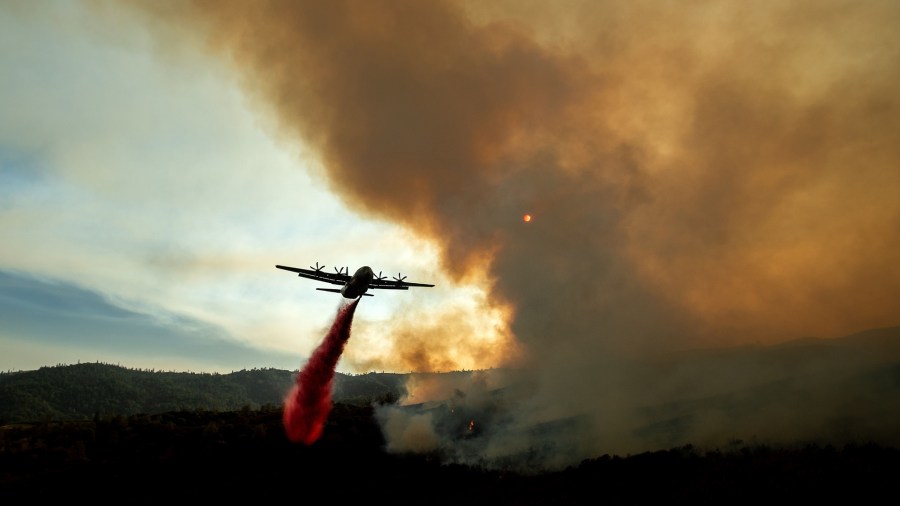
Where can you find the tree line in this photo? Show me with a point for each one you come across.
(89, 391)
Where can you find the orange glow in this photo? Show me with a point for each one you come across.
(526, 218)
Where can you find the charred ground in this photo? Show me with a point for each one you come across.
(244, 455)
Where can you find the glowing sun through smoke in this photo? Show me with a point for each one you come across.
(526, 218)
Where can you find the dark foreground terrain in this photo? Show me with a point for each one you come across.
(104, 434)
(205, 456)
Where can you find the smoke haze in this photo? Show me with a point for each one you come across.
(702, 174)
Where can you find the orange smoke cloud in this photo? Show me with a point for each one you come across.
(446, 339)
(705, 173)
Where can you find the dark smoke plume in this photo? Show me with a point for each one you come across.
(702, 174)
(307, 405)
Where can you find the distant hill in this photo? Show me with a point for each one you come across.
(91, 390)
(835, 390)
(844, 386)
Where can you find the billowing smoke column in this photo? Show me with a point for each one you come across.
(699, 175)
(307, 405)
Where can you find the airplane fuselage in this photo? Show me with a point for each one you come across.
(359, 283)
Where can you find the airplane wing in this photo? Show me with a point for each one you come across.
(335, 278)
(394, 284)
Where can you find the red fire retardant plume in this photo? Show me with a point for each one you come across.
(307, 405)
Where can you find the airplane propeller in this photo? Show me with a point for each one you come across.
(345, 270)
(398, 278)
(317, 268)
(380, 277)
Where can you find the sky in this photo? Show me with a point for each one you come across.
(699, 175)
(145, 206)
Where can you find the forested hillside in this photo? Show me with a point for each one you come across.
(95, 390)
(108, 434)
